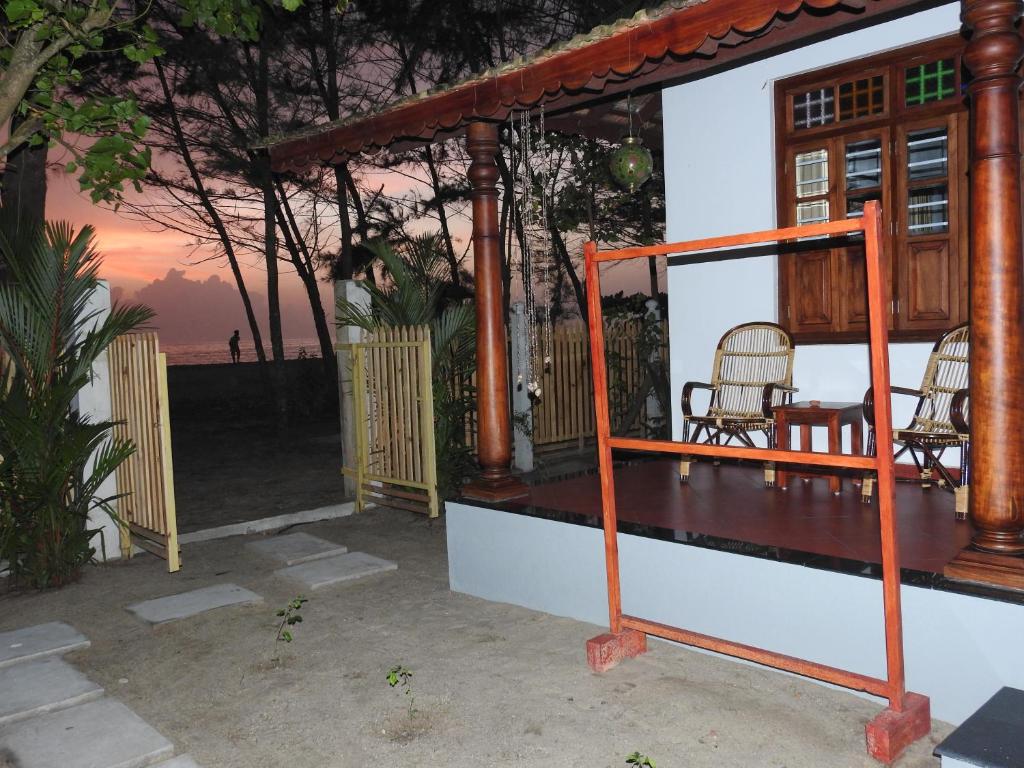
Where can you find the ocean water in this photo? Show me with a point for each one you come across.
(211, 352)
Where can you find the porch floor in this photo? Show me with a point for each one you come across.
(731, 504)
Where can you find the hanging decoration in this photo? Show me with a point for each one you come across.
(631, 163)
(531, 214)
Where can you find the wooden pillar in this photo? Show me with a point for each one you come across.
(996, 507)
(494, 428)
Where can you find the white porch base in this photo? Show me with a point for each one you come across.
(959, 649)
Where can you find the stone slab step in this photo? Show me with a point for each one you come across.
(295, 548)
(50, 639)
(186, 604)
(334, 570)
(100, 734)
(42, 685)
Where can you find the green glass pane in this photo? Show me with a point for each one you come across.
(929, 82)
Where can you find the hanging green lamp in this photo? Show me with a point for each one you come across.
(631, 163)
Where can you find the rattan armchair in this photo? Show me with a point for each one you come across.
(752, 372)
(940, 419)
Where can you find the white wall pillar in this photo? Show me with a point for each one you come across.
(352, 292)
(93, 402)
(522, 408)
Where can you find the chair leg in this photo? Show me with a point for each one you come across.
(962, 496)
(867, 488)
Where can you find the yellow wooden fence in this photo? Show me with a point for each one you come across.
(394, 408)
(138, 393)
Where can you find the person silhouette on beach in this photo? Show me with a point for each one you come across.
(236, 352)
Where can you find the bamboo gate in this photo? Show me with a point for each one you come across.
(564, 414)
(892, 687)
(394, 410)
(145, 481)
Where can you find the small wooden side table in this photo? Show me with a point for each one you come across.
(818, 414)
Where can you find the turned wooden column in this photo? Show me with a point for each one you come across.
(996, 276)
(494, 428)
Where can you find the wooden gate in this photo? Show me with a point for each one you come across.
(138, 394)
(394, 410)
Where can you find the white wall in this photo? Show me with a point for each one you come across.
(720, 180)
(956, 646)
(94, 402)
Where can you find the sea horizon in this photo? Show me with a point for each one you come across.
(217, 352)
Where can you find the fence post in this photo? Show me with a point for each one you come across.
(522, 414)
(355, 293)
(653, 404)
(93, 400)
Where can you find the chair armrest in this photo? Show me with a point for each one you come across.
(769, 391)
(956, 412)
(688, 388)
(869, 400)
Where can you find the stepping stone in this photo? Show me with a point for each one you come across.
(181, 761)
(993, 737)
(181, 606)
(295, 548)
(99, 734)
(39, 641)
(40, 686)
(332, 570)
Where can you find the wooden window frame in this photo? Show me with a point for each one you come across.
(891, 123)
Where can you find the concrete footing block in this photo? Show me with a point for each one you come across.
(36, 642)
(891, 732)
(607, 650)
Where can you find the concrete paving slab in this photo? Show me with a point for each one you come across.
(333, 570)
(99, 734)
(40, 686)
(181, 761)
(186, 604)
(41, 640)
(295, 548)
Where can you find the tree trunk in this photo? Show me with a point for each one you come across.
(23, 186)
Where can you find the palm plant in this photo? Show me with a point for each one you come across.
(414, 294)
(53, 459)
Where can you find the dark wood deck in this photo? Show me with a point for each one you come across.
(731, 502)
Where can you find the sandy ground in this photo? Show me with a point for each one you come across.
(228, 472)
(494, 685)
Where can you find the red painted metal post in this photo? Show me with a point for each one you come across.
(878, 295)
(603, 429)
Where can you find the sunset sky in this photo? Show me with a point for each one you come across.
(196, 300)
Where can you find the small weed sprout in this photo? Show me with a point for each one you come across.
(399, 676)
(289, 616)
(640, 760)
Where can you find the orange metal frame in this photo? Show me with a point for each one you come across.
(892, 687)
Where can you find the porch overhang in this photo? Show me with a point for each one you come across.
(671, 43)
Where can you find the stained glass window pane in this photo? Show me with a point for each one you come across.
(928, 210)
(815, 107)
(929, 82)
(863, 164)
(859, 98)
(811, 213)
(927, 154)
(812, 173)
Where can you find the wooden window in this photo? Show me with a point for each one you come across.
(890, 128)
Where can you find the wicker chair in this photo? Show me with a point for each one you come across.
(753, 371)
(940, 419)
